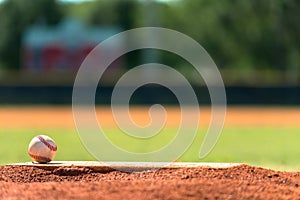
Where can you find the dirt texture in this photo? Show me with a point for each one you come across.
(240, 182)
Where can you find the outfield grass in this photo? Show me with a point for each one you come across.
(271, 147)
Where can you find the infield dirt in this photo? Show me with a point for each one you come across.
(61, 116)
(239, 182)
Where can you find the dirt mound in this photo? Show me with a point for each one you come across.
(240, 182)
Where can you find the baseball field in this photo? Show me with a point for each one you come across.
(260, 136)
(265, 139)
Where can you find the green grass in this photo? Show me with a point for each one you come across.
(14, 144)
(271, 147)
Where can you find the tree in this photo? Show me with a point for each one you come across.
(15, 17)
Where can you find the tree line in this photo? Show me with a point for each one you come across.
(238, 34)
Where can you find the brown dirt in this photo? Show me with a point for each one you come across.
(61, 116)
(240, 182)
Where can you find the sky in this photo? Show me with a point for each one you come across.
(64, 0)
(83, 0)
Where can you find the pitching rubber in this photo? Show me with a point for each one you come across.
(126, 166)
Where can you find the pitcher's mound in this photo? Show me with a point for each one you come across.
(94, 180)
(125, 166)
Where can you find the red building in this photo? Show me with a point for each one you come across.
(63, 47)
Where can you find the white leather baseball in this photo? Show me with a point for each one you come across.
(42, 149)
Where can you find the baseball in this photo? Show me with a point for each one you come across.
(42, 149)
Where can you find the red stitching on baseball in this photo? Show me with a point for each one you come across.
(36, 157)
(52, 148)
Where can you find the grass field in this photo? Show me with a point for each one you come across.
(268, 146)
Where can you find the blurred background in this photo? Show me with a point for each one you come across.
(255, 45)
